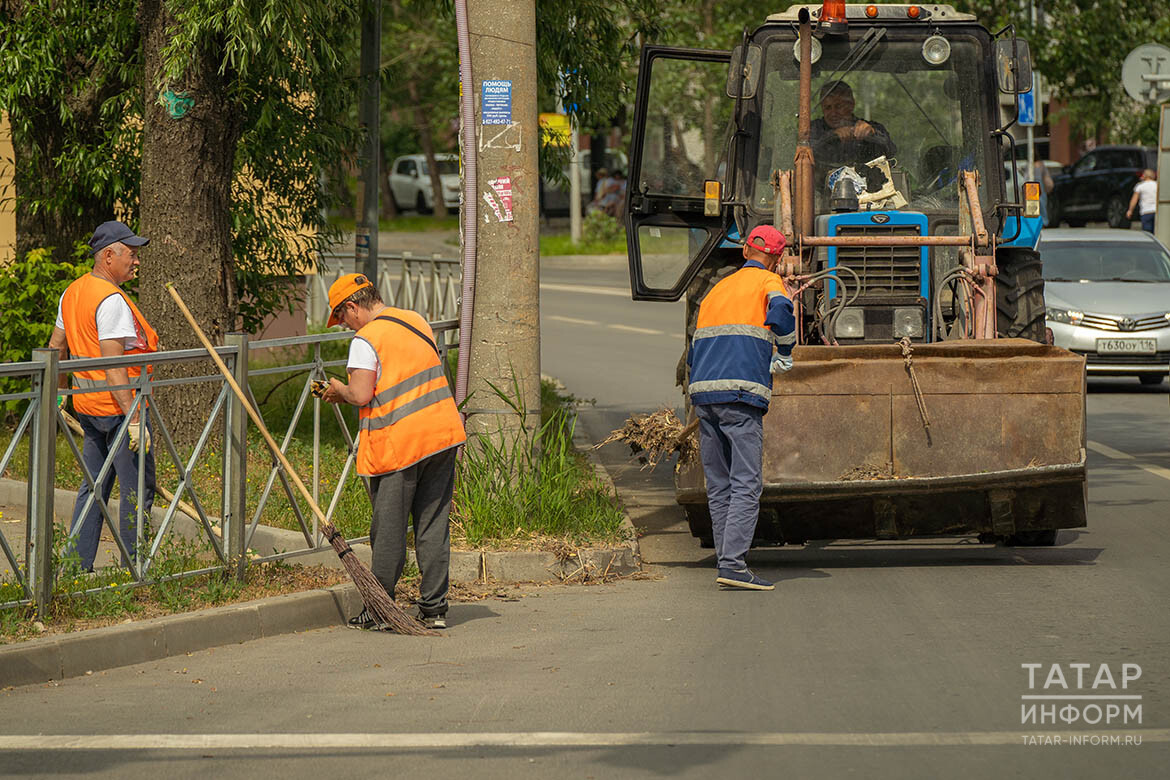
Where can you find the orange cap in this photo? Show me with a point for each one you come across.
(344, 287)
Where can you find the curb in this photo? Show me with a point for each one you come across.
(97, 649)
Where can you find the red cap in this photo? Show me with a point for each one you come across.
(767, 239)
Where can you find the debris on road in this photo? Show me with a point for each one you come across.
(655, 436)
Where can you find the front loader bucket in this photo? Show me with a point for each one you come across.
(847, 454)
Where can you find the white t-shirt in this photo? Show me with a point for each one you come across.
(114, 321)
(1147, 192)
(362, 355)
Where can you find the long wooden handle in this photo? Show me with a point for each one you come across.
(223, 369)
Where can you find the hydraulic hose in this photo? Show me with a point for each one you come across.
(468, 223)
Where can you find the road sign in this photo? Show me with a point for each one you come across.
(1145, 74)
(1027, 108)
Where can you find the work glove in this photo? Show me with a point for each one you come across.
(135, 441)
(781, 363)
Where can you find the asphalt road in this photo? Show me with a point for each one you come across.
(869, 660)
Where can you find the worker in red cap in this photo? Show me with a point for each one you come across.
(745, 333)
(408, 434)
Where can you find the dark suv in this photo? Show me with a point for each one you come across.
(1098, 186)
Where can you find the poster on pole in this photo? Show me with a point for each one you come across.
(496, 102)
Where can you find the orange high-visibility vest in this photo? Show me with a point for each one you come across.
(412, 414)
(79, 307)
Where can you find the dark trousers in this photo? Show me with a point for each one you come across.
(1148, 222)
(423, 492)
(99, 436)
(731, 444)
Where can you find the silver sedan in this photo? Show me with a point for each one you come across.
(1107, 294)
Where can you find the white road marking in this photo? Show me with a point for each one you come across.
(632, 329)
(571, 320)
(616, 291)
(555, 739)
(1109, 452)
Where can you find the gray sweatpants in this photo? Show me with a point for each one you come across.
(422, 491)
(731, 444)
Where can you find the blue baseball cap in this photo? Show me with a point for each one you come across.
(113, 232)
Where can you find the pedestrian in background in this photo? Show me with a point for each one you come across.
(95, 318)
(409, 432)
(1040, 174)
(745, 332)
(1145, 199)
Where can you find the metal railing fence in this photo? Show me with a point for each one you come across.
(432, 286)
(226, 538)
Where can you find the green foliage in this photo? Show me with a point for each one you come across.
(532, 483)
(601, 228)
(69, 74)
(290, 80)
(601, 234)
(1079, 47)
(30, 288)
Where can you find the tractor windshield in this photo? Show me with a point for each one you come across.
(873, 96)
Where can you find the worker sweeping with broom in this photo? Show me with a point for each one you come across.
(409, 434)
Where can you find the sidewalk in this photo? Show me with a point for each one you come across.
(70, 655)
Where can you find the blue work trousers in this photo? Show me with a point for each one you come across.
(99, 436)
(731, 444)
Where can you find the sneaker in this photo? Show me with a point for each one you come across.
(744, 579)
(364, 621)
(433, 621)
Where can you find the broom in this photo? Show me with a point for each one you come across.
(380, 604)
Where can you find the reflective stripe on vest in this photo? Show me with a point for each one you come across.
(412, 414)
(79, 305)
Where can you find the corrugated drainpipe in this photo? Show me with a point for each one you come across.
(469, 218)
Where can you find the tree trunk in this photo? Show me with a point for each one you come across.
(187, 164)
(386, 203)
(424, 137)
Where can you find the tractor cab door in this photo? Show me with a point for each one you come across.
(681, 120)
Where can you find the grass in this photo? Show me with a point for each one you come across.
(531, 487)
(87, 600)
(405, 223)
(562, 244)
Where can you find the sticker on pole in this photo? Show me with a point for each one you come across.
(496, 102)
(500, 198)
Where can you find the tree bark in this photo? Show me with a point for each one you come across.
(187, 171)
(423, 126)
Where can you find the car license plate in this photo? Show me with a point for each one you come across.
(1127, 346)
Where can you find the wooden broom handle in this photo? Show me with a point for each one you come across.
(223, 369)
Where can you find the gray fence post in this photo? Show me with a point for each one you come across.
(236, 464)
(41, 485)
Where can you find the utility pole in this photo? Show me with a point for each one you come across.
(366, 233)
(506, 321)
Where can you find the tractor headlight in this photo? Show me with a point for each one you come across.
(851, 324)
(908, 322)
(1067, 316)
(936, 50)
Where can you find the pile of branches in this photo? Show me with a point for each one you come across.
(655, 436)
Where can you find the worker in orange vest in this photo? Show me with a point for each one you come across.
(95, 318)
(745, 333)
(409, 434)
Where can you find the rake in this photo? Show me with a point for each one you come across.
(380, 604)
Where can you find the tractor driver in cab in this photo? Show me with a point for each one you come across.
(840, 138)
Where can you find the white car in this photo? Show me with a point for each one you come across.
(410, 182)
(1107, 297)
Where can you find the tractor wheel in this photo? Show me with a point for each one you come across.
(1019, 295)
(699, 520)
(1115, 214)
